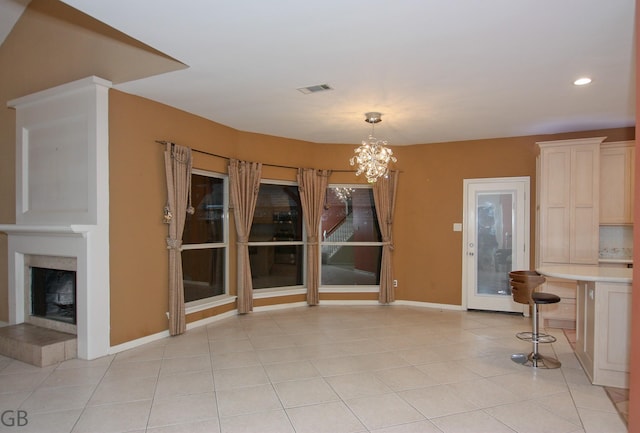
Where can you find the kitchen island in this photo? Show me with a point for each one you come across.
(603, 319)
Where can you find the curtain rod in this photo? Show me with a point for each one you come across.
(164, 142)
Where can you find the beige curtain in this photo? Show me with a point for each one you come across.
(244, 179)
(312, 185)
(177, 161)
(384, 196)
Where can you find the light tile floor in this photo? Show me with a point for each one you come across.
(334, 369)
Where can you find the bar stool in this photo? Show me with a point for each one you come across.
(523, 285)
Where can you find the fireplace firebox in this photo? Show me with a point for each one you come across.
(53, 294)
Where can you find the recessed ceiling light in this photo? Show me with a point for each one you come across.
(582, 81)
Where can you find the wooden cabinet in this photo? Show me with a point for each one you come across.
(569, 201)
(616, 182)
(603, 331)
(567, 217)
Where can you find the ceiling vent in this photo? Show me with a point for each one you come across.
(315, 89)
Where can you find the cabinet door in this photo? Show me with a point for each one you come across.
(555, 204)
(614, 311)
(584, 220)
(616, 183)
(569, 201)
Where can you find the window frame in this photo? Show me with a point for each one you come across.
(224, 298)
(271, 292)
(347, 288)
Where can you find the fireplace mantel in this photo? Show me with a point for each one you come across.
(26, 229)
(62, 200)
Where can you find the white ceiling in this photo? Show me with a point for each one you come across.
(10, 11)
(438, 70)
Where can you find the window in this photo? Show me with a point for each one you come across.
(276, 248)
(351, 239)
(204, 241)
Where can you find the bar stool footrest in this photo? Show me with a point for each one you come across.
(542, 338)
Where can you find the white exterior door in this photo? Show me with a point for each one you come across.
(495, 241)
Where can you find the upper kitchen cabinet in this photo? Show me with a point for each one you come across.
(616, 182)
(568, 183)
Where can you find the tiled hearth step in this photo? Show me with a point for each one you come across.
(35, 345)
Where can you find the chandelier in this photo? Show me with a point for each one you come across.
(343, 193)
(372, 156)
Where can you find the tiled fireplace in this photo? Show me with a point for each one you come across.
(62, 213)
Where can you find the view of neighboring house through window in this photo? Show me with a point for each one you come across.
(276, 247)
(351, 240)
(205, 238)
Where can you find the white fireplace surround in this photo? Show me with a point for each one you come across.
(62, 200)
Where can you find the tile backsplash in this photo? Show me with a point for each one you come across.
(616, 242)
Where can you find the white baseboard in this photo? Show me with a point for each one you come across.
(212, 319)
(397, 302)
(138, 342)
(430, 305)
(280, 306)
(348, 302)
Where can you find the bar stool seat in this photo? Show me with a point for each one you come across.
(523, 285)
(545, 298)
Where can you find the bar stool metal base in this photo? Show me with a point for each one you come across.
(523, 284)
(536, 360)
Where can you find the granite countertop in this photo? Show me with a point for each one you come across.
(588, 273)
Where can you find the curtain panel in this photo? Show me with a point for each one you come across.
(244, 181)
(384, 196)
(178, 165)
(312, 185)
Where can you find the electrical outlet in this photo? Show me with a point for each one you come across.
(395, 283)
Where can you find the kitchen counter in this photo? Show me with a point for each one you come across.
(603, 307)
(587, 273)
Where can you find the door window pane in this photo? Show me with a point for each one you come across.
(495, 237)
